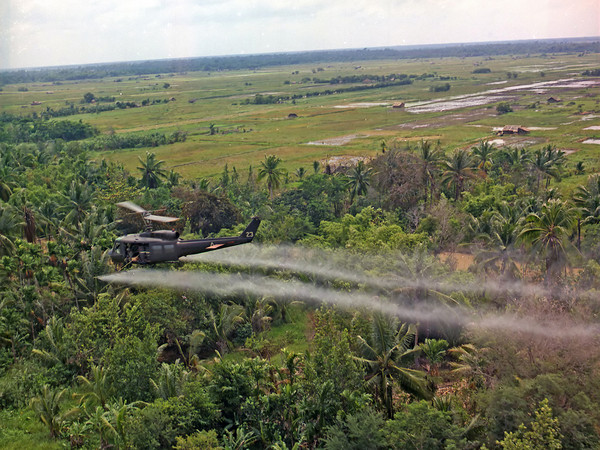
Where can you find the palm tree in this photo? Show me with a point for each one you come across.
(170, 382)
(6, 175)
(47, 407)
(483, 153)
(587, 198)
(470, 362)
(152, 171)
(96, 389)
(546, 163)
(269, 169)
(316, 166)
(434, 350)
(503, 235)
(458, 168)
(359, 180)
(79, 198)
(173, 178)
(9, 223)
(300, 172)
(548, 231)
(224, 324)
(386, 356)
(430, 157)
(517, 157)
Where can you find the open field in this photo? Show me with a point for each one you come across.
(344, 124)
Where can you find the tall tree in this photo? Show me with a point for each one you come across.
(359, 180)
(548, 232)
(9, 223)
(386, 355)
(483, 155)
(270, 170)
(152, 170)
(587, 199)
(431, 158)
(457, 169)
(546, 165)
(502, 238)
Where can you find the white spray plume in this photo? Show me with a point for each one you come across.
(240, 284)
(356, 268)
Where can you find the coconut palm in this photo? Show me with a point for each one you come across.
(483, 155)
(224, 323)
(359, 180)
(270, 170)
(6, 183)
(173, 178)
(47, 407)
(457, 169)
(548, 231)
(505, 226)
(300, 172)
(79, 199)
(9, 223)
(546, 164)
(517, 157)
(587, 199)
(386, 355)
(95, 390)
(430, 157)
(170, 382)
(434, 350)
(152, 171)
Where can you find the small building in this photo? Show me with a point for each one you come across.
(513, 129)
(35, 103)
(553, 100)
(398, 105)
(292, 116)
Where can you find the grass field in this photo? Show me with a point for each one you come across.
(344, 124)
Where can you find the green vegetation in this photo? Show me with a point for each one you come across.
(419, 282)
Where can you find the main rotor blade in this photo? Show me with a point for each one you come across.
(132, 206)
(163, 219)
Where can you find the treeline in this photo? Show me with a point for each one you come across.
(133, 140)
(95, 109)
(260, 99)
(361, 78)
(16, 129)
(591, 73)
(214, 64)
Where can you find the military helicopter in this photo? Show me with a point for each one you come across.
(151, 247)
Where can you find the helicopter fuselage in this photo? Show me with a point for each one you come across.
(153, 247)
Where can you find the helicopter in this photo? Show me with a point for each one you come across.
(151, 247)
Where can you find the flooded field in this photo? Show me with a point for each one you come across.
(497, 95)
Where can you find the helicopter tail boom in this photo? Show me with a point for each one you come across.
(250, 230)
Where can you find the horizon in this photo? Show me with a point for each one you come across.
(56, 33)
(284, 52)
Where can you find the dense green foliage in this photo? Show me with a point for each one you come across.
(103, 365)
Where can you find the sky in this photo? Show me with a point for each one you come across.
(37, 33)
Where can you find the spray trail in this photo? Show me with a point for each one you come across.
(343, 265)
(236, 284)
